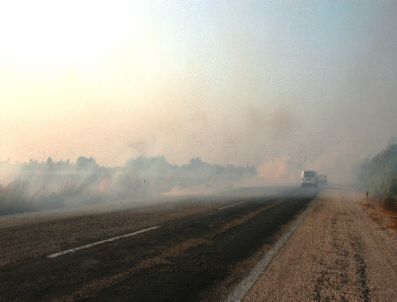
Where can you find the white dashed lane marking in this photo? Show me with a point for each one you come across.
(86, 246)
(232, 205)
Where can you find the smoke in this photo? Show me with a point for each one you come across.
(278, 86)
(363, 121)
(8, 172)
(59, 184)
(351, 112)
(277, 171)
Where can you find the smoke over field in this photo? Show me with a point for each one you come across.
(57, 184)
(280, 86)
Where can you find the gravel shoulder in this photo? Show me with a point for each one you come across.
(338, 254)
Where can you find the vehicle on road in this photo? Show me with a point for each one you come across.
(309, 178)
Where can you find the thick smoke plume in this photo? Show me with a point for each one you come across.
(58, 184)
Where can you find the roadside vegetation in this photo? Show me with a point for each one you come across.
(51, 184)
(13, 200)
(378, 176)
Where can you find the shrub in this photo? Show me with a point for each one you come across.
(378, 175)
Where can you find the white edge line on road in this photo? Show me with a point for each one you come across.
(245, 285)
(86, 246)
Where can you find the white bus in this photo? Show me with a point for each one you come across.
(309, 178)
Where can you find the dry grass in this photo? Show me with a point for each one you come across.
(382, 213)
(391, 218)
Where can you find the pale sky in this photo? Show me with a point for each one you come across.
(242, 82)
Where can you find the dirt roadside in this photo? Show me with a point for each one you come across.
(338, 254)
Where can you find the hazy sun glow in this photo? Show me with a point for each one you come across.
(69, 53)
(59, 33)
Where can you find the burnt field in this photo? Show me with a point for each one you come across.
(198, 252)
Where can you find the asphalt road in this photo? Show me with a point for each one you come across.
(196, 256)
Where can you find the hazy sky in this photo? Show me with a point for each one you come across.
(281, 85)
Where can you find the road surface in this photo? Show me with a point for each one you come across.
(194, 251)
